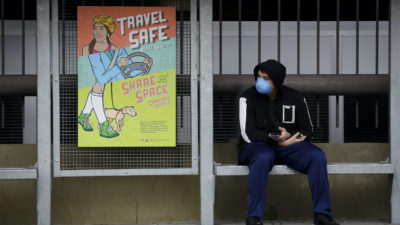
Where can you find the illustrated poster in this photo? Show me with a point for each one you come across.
(126, 76)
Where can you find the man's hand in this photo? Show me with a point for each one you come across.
(284, 135)
(296, 138)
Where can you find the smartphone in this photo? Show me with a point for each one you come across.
(274, 135)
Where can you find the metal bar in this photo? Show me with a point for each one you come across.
(377, 39)
(181, 30)
(357, 36)
(240, 37)
(318, 34)
(337, 111)
(279, 30)
(348, 84)
(220, 111)
(357, 114)
(3, 109)
(125, 172)
(390, 37)
(44, 116)
(63, 36)
(376, 114)
(259, 30)
(15, 85)
(2, 39)
(207, 179)
(395, 108)
(318, 113)
(337, 39)
(194, 67)
(55, 70)
(229, 83)
(23, 113)
(298, 37)
(23, 37)
(18, 173)
(220, 36)
(181, 103)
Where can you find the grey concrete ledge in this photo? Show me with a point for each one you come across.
(333, 168)
(29, 173)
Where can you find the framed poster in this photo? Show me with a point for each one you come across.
(126, 76)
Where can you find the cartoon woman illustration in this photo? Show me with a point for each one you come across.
(103, 27)
(108, 65)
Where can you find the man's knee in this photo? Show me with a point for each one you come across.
(264, 159)
(317, 155)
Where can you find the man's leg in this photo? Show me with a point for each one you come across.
(260, 159)
(308, 158)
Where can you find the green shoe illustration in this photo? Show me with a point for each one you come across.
(107, 131)
(83, 120)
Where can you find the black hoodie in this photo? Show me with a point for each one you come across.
(259, 115)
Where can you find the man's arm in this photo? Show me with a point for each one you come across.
(248, 126)
(303, 119)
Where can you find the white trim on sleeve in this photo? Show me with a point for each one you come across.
(242, 118)
(309, 117)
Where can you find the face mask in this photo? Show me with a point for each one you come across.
(262, 86)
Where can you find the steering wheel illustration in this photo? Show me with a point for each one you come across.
(144, 67)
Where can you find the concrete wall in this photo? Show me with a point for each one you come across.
(141, 200)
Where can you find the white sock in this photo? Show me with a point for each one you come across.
(97, 101)
(88, 105)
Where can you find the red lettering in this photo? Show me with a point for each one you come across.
(152, 83)
(165, 91)
(138, 97)
(152, 92)
(132, 85)
(146, 82)
(139, 84)
(159, 93)
(126, 90)
(145, 93)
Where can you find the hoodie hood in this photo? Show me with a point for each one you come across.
(275, 70)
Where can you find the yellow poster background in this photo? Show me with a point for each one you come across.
(134, 132)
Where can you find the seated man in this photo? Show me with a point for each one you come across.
(275, 127)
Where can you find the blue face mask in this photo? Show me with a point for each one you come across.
(262, 86)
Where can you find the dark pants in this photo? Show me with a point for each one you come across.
(303, 157)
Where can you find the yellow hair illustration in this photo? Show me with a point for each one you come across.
(107, 21)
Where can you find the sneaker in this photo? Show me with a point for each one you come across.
(107, 131)
(83, 120)
(254, 220)
(322, 219)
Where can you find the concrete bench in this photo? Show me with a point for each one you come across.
(333, 168)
